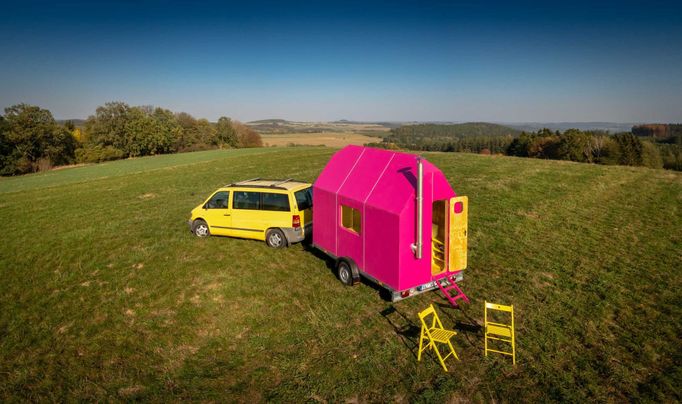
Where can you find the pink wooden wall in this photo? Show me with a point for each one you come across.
(382, 185)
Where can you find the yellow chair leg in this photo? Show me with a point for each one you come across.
(513, 351)
(440, 358)
(452, 349)
(421, 344)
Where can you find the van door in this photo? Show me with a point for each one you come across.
(246, 215)
(218, 214)
(457, 251)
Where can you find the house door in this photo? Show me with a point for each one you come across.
(457, 234)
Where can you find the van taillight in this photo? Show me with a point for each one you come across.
(296, 221)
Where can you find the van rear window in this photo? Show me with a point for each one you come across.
(304, 198)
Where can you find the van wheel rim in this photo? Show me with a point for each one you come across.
(202, 230)
(275, 240)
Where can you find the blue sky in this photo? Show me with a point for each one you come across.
(400, 61)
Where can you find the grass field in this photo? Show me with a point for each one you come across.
(318, 139)
(105, 295)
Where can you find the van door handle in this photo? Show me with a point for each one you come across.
(226, 215)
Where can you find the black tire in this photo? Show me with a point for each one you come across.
(200, 228)
(275, 238)
(345, 272)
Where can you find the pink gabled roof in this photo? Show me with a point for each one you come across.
(379, 178)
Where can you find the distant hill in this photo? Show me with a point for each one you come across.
(282, 126)
(660, 131)
(612, 127)
(474, 137)
(458, 130)
(268, 121)
(379, 123)
(76, 122)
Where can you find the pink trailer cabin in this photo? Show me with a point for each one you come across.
(368, 213)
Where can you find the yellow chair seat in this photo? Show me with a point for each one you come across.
(441, 335)
(499, 330)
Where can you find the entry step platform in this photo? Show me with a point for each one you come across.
(451, 290)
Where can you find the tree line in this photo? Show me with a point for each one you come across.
(32, 140)
(655, 146)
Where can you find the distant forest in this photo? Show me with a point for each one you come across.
(651, 145)
(32, 140)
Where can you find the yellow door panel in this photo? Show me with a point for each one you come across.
(219, 221)
(457, 252)
(218, 214)
(255, 211)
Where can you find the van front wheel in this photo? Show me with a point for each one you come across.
(200, 228)
(275, 238)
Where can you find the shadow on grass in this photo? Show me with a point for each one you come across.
(470, 328)
(331, 266)
(407, 331)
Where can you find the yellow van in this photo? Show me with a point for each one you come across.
(278, 212)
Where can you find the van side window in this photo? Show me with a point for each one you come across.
(246, 200)
(218, 201)
(276, 202)
(350, 219)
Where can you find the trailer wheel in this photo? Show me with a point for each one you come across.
(347, 272)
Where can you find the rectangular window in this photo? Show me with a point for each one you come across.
(276, 202)
(350, 218)
(246, 200)
(304, 198)
(218, 201)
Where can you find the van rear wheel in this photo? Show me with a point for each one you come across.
(275, 238)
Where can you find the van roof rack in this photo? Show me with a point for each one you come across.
(281, 182)
(275, 185)
(242, 182)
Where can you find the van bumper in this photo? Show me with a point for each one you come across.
(296, 235)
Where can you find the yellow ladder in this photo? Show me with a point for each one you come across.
(437, 254)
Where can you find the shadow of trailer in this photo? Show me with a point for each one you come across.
(392, 218)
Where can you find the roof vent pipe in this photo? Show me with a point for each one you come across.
(417, 247)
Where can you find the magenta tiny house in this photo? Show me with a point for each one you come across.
(391, 217)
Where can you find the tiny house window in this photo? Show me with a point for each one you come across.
(350, 218)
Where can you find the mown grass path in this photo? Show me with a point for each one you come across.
(105, 294)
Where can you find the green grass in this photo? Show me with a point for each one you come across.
(105, 295)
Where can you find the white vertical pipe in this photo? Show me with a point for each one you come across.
(420, 206)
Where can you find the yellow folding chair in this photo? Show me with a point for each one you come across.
(500, 332)
(435, 334)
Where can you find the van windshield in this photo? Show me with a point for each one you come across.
(304, 198)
